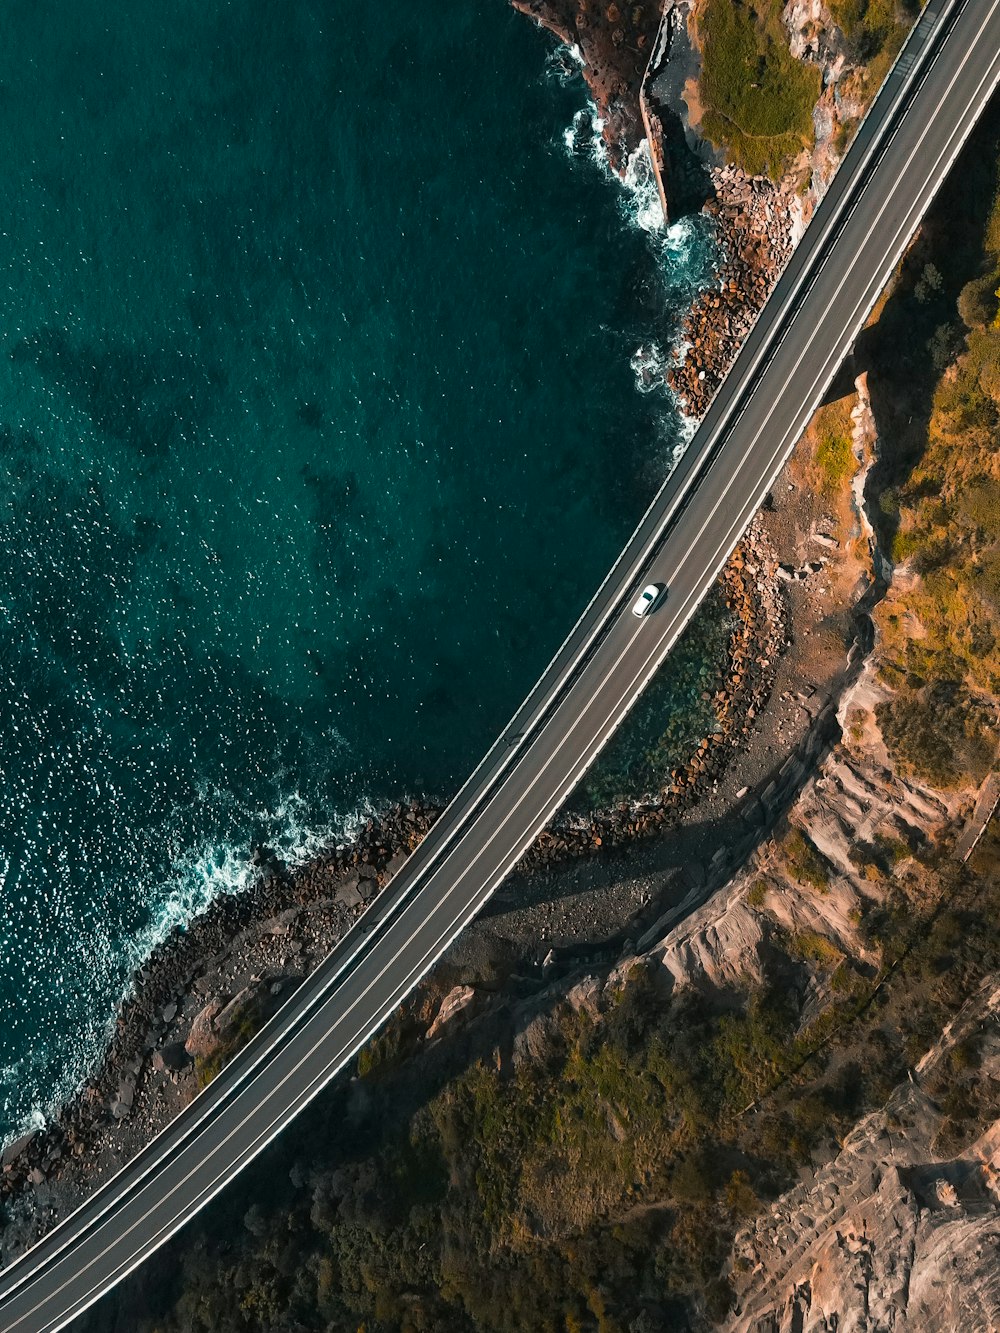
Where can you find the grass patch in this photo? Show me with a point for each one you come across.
(835, 457)
(805, 863)
(937, 733)
(758, 100)
(874, 29)
(809, 946)
(757, 894)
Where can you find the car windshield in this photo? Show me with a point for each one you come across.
(648, 596)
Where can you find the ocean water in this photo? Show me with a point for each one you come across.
(325, 402)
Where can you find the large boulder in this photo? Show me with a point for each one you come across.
(203, 1039)
(224, 1025)
(172, 1059)
(457, 1001)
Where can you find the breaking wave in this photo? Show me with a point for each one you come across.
(686, 259)
(197, 879)
(563, 64)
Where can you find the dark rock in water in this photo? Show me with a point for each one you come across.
(269, 863)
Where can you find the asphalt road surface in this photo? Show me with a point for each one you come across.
(903, 151)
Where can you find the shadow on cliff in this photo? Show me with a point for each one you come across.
(918, 330)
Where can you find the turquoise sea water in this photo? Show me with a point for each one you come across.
(319, 338)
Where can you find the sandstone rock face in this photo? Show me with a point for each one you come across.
(203, 1039)
(533, 1041)
(889, 1235)
(718, 946)
(585, 996)
(225, 1024)
(808, 23)
(457, 1001)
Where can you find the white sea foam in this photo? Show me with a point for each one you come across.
(685, 255)
(563, 64)
(197, 880)
(640, 183)
(582, 137)
(222, 868)
(650, 363)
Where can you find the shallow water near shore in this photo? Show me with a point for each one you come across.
(319, 427)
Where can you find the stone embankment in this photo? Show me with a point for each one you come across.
(754, 219)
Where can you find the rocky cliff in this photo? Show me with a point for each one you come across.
(902, 1229)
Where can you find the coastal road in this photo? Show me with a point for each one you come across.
(903, 151)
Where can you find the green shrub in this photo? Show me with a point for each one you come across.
(977, 302)
(873, 27)
(805, 863)
(809, 946)
(835, 457)
(757, 894)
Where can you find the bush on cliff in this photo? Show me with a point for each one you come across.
(600, 1180)
(977, 302)
(874, 28)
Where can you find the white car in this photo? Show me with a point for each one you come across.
(648, 598)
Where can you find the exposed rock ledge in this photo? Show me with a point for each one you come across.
(891, 1234)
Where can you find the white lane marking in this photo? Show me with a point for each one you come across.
(532, 707)
(463, 913)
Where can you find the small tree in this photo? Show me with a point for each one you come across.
(978, 303)
(929, 284)
(944, 346)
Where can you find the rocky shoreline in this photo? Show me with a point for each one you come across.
(754, 227)
(615, 41)
(754, 599)
(207, 988)
(194, 1002)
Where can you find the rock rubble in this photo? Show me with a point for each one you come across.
(753, 217)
